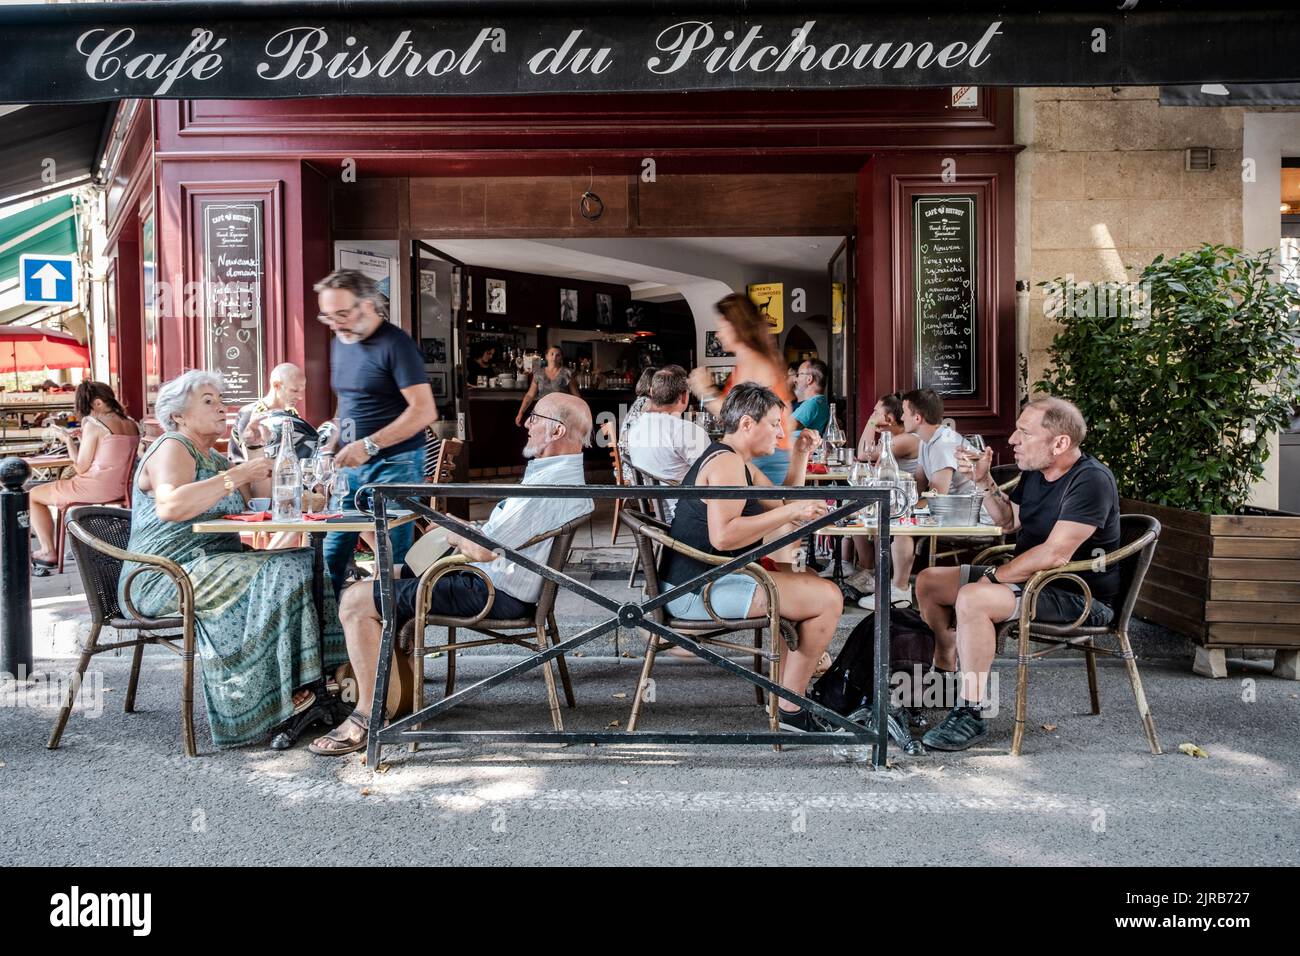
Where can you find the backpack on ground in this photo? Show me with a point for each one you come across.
(850, 682)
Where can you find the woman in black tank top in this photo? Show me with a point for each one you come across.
(751, 421)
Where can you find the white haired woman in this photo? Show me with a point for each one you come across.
(257, 625)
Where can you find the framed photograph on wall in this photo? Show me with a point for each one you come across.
(496, 296)
(435, 351)
(438, 381)
(713, 348)
(604, 309)
(569, 306)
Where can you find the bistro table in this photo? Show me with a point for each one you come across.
(329, 708)
(899, 530)
(47, 467)
(826, 477)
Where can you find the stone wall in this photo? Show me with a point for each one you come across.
(1103, 171)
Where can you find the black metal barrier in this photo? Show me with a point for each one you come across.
(632, 614)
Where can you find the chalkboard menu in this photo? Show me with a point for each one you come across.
(233, 274)
(943, 276)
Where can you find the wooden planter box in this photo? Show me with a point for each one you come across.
(1226, 581)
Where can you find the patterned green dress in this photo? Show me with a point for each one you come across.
(256, 627)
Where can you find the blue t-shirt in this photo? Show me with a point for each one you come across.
(368, 378)
(814, 413)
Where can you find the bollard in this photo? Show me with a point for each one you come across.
(16, 573)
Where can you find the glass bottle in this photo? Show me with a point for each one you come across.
(887, 468)
(286, 480)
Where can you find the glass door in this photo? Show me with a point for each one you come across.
(438, 305)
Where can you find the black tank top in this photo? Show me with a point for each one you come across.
(691, 524)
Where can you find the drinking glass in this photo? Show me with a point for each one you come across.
(338, 491)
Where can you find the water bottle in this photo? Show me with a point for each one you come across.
(286, 480)
(887, 467)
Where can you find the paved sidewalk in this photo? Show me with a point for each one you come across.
(1085, 792)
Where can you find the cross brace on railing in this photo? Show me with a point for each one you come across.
(631, 614)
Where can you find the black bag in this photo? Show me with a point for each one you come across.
(849, 684)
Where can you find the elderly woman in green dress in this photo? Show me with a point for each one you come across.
(257, 631)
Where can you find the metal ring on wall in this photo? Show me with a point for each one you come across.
(591, 206)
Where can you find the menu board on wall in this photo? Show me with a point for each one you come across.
(944, 257)
(233, 275)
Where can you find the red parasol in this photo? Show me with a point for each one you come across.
(26, 348)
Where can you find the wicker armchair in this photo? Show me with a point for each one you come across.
(99, 536)
(1138, 537)
(651, 506)
(538, 630)
(649, 533)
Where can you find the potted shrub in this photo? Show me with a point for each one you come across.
(1184, 377)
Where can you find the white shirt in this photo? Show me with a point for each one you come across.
(665, 446)
(940, 452)
(515, 520)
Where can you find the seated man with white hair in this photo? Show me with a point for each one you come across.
(287, 388)
(1065, 508)
(558, 429)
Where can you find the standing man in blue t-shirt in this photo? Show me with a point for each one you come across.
(383, 402)
(814, 409)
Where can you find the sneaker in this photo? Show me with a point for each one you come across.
(864, 581)
(804, 722)
(899, 597)
(960, 729)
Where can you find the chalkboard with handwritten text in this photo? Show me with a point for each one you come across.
(233, 275)
(944, 257)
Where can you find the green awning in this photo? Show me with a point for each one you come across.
(49, 228)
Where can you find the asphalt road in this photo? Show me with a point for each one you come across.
(120, 791)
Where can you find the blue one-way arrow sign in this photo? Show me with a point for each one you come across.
(48, 280)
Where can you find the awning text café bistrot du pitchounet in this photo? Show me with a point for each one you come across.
(211, 50)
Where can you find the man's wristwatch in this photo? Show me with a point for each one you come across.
(990, 573)
(372, 449)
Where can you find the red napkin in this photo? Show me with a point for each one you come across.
(816, 468)
(320, 515)
(250, 516)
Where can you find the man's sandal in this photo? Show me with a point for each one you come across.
(339, 744)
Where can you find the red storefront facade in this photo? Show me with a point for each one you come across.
(752, 163)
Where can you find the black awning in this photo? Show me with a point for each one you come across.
(201, 50)
(69, 135)
(1231, 94)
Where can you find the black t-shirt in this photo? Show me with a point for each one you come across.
(368, 378)
(1086, 494)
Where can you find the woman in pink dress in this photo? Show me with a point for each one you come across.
(102, 459)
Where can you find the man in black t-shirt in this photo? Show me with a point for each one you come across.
(1066, 508)
(384, 401)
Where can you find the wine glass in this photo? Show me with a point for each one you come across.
(338, 490)
(972, 449)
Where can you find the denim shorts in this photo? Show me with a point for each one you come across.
(730, 598)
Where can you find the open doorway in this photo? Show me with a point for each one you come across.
(486, 311)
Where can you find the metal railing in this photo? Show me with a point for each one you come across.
(631, 614)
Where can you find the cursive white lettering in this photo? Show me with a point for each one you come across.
(299, 45)
(683, 44)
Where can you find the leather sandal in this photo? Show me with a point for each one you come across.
(345, 744)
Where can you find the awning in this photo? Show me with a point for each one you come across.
(82, 52)
(49, 228)
(41, 146)
(1231, 94)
